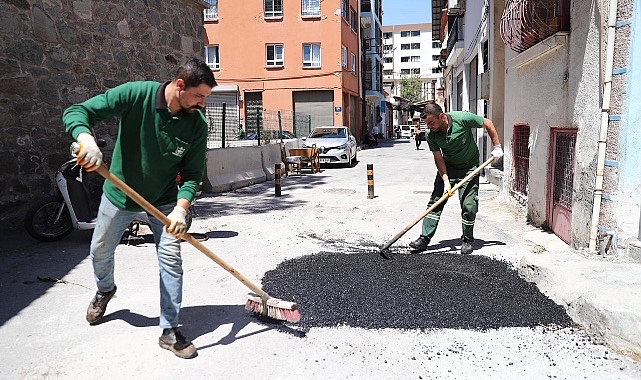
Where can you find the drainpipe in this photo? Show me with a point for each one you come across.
(603, 131)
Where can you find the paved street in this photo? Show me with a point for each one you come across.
(328, 215)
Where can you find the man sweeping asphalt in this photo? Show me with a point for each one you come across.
(456, 155)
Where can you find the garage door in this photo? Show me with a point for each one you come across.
(227, 95)
(318, 104)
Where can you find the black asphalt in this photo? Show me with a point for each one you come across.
(413, 291)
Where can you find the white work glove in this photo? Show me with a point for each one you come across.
(448, 189)
(497, 152)
(178, 225)
(89, 155)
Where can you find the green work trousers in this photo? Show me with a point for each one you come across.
(468, 195)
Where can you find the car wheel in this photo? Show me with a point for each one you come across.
(353, 161)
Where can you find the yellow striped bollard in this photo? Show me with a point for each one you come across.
(277, 180)
(370, 181)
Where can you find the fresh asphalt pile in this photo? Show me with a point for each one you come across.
(412, 291)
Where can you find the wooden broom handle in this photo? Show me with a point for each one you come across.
(142, 202)
(438, 202)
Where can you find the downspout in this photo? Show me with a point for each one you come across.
(605, 118)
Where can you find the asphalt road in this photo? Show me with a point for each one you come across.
(434, 315)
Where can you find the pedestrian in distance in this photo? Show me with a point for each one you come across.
(419, 135)
(456, 155)
(161, 132)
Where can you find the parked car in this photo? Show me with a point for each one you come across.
(271, 134)
(336, 143)
(406, 131)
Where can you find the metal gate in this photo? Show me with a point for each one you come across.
(521, 156)
(253, 111)
(560, 193)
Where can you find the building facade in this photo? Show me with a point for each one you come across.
(374, 110)
(410, 52)
(546, 73)
(299, 56)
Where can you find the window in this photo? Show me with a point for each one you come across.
(405, 46)
(436, 44)
(485, 54)
(436, 70)
(352, 18)
(387, 60)
(311, 55)
(416, 33)
(387, 35)
(405, 71)
(211, 57)
(388, 72)
(310, 8)
(273, 8)
(211, 13)
(345, 9)
(435, 57)
(526, 22)
(405, 59)
(387, 48)
(405, 33)
(275, 55)
(353, 63)
(416, 71)
(416, 45)
(344, 56)
(416, 58)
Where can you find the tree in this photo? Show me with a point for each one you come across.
(411, 88)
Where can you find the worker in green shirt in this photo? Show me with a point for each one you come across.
(456, 155)
(162, 132)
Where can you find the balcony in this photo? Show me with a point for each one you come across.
(454, 41)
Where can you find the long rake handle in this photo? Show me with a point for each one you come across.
(142, 202)
(437, 203)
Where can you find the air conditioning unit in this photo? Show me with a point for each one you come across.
(455, 7)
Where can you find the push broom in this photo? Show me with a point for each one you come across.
(260, 303)
(385, 252)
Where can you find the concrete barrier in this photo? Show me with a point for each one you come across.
(271, 156)
(233, 168)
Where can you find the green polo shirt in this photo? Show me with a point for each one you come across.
(457, 144)
(152, 146)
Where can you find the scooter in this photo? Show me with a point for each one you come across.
(75, 205)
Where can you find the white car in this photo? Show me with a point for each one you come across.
(406, 131)
(337, 144)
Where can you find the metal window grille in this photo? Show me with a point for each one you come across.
(564, 168)
(521, 159)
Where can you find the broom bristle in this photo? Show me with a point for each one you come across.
(273, 308)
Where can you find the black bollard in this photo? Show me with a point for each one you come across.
(370, 181)
(277, 180)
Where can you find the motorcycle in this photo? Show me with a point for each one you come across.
(75, 205)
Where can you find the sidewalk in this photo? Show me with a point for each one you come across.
(602, 293)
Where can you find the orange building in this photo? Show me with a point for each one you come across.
(297, 56)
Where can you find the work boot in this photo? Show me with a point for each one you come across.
(98, 305)
(174, 341)
(420, 244)
(466, 248)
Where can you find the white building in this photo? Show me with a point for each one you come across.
(408, 50)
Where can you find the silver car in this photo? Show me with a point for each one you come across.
(337, 144)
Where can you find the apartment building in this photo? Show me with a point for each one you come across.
(297, 56)
(374, 104)
(409, 51)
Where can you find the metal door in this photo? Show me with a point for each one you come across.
(253, 111)
(560, 193)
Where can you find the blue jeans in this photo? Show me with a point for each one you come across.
(110, 226)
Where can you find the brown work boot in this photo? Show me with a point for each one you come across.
(98, 305)
(174, 341)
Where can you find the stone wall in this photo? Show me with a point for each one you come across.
(54, 53)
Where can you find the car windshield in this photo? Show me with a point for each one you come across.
(330, 133)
